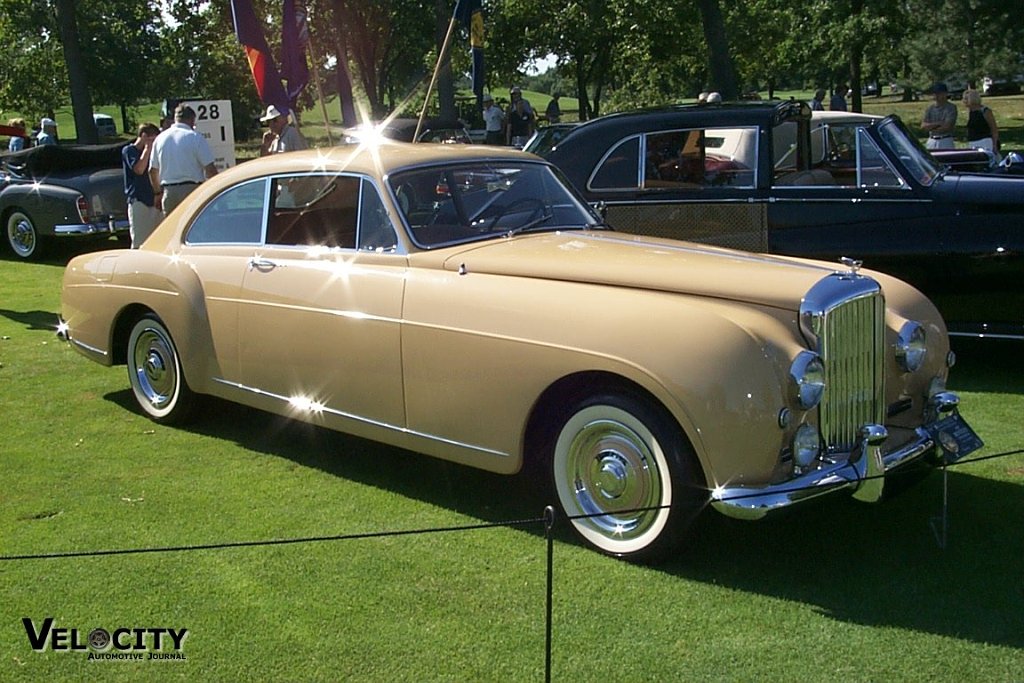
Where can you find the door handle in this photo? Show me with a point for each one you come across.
(263, 265)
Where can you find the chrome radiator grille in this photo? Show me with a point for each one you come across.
(850, 330)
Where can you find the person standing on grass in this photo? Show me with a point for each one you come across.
(17, 142)
(838, 101)
(494, 122)
(181, 159)
(940, 119)
(982, 129)
(47, 132)
(143, 204)
(281, 136)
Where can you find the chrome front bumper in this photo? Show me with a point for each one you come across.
(110, 227)
(863, 472)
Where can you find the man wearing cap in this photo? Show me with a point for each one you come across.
(181, 159)
(494, 122)
(47, 133)
(940, 119)
(282, 136)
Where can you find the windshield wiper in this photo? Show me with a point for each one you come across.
(529, 225)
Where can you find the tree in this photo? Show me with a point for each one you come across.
(387, 41)
(33, 78)
(121, 47)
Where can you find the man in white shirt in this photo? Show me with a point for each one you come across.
(181, 159)
(494, 122)
(282, 136)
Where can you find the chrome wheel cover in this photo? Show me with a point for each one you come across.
(155, 369)
(21, 234)
(608, 464)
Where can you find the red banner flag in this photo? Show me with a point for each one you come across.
(261, 62)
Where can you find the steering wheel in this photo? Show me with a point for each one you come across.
(538, 210)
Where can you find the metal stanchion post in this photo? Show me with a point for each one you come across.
(549, 522)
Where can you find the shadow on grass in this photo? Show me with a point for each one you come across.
(881, 565)
(988, 365)
(57, 252)
(874, 565)
(32, 320)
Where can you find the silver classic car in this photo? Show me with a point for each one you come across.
(465, 303)
(61, 191)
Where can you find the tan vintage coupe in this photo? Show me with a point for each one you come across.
(465, 303)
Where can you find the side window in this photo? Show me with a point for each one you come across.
(620, 169)
(314, 211)
(785, 157)
(713, 157)
(375, 230)
(674, 159)
(234, 217)
(873, 169)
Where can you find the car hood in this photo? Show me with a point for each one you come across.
(617, 259)
(981, 188)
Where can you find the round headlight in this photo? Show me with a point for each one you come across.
(808, 374)
(910, 346)
(806, 445)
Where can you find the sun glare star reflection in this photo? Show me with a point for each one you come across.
(305, 404)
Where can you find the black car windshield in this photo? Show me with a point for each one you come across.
(911, 153)
(445, 205)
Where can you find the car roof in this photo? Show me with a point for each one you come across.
(844, 117)
(372, 159)
(726, 114)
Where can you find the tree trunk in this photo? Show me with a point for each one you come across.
(81, 100)
(856, 57)
(720, 64)
(581, 91)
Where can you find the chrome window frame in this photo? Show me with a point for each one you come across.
(206, 207)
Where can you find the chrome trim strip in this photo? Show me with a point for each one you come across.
(986, 335)
(72, 229)
(364, 420)
(755, 502)
(92, 349)
(849, 200)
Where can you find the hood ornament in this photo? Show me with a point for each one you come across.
(853, 264)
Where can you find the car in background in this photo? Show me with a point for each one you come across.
(545, 138)
(105, 126)
(994, 87)
(753, 176)
(61, 192)
(444, 131)
(960, 159)
(463, 302)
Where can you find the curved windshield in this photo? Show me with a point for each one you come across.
(911, 153)
(445, 205)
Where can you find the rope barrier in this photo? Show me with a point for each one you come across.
(544, 520)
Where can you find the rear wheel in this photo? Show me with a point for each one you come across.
(22, 235)
(625, 475)
(154, 370)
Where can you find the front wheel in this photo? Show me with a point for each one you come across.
(22, 236)
(154, 370)
(626, 476)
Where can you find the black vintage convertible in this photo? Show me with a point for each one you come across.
(767, 177)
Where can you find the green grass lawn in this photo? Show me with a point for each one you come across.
(836, 590)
